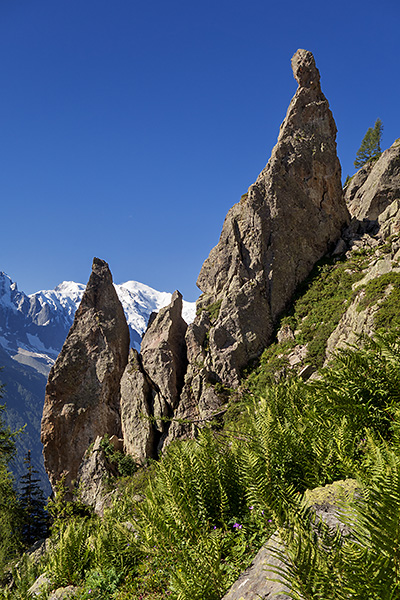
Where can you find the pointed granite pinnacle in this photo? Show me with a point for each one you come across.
(82, 392)
(290, 218)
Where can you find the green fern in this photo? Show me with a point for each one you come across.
(365, 564)
(72, 554)
(115, 546)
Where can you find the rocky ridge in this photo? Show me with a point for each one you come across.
(152, 382)
(369, 252)
(373, 198)
(375, 186)
(33, 329)
(292, 216)
(248, 282)
(289, 218)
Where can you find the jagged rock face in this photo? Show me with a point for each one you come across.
(137, 423)
(82, 392)
(153, 381)
(290, 217)
(375, 186)
(295, 209)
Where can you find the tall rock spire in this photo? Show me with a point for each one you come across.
(271, 239)
(82, 393)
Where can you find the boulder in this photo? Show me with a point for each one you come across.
(82, 399)
(253, 582)
(40, 586)
(64, 593)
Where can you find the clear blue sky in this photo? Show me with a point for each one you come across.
(128, 129)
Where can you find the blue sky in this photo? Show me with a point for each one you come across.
(128, 129)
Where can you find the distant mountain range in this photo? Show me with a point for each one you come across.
(33, 329)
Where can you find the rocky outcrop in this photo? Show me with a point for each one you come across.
(82, 392)
(254, 583)
(289, 218)
(152, 382)
(375, 186)
(358, 321)
(373, 198)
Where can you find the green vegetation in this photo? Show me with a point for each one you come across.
(376, 289)
(185, 526)
(385, 290)
(212, 309)
(10, 516)
(364, 565)
(321, 302)
(370, 148)
(189, 529)
(347, 181)
(124, 463)
(318, 305)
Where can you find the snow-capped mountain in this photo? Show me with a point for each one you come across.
(33, 329)
(139, 301)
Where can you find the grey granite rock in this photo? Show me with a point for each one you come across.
(137, 423)
(256, 580)
(92, 477)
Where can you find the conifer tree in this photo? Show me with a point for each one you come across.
(9, 509)
(34, 519)
(370, 146)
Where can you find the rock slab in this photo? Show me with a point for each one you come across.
(255, 581)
